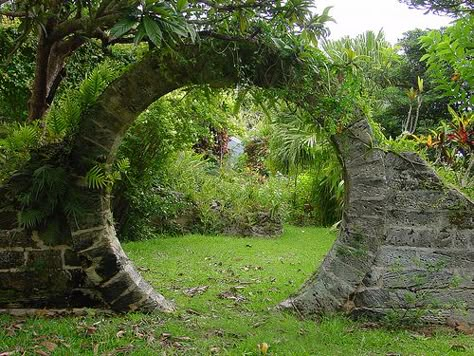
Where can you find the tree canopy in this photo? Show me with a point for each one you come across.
(450, 7)
(60, 28)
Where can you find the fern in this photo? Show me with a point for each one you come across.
(30, 218)
(123, 165)
(96, 178)
(95, 84)
(65, 114)
(22, 137)
(99, 177)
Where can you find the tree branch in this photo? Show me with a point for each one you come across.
(13, 13)
(234, 7)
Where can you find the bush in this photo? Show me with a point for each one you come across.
(197, 196)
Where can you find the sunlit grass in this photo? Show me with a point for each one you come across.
(241, 280)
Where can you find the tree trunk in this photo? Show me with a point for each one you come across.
(37, 104)
(49, 72)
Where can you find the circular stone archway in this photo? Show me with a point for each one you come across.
(399, 219)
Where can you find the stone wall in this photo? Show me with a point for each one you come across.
(40, 268)
(406, 244)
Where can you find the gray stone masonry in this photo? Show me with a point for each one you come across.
(406, 243)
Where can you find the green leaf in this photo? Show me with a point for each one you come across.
(122, 27)
(181, 5)
(152, 30)
(140, 34)
(425, 57)
(96, 178)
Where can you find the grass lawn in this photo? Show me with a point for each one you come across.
(225, 289)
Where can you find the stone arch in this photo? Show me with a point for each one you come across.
(397, 211)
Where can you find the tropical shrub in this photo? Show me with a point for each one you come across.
(451, 148)
(196, 195)
(449, 55)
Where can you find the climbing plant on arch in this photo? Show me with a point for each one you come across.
(405, 240)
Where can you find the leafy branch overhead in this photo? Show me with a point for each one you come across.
(61, 28)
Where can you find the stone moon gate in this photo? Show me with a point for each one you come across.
(406, 240)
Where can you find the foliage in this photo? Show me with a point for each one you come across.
(16, 143)
(449, 60)
(451, 146)
(64, 115)
(450, 7)
(300, 148)
(61, 28)
(369, 53)
(15, 75)
(196, 196)
(18, 69)
(415, 96)
(393, 102)
(180, 121)
(42, 188)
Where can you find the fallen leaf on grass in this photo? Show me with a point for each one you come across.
(232, 295)
(51, 346)
(182, 338)
(120, 350)
(193, 312)
(419, 336)
(6, 353)
(120, 333)
(191, 292)
(166, 339)
(263, 348)
(91, 330)
(12, 329)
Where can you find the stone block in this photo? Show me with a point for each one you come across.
(419, 279)
(394, 258)
(83, 240)
(105, 260)
(373, 277)
(71, 259)
(365, 208)
(374, 298)
(11, 259)
(424, 236)
(125, 301)
(84, 298)
(16, 238)
(361, 190)
(126, 279)
(405, 217)
(366, 172)
(56, 232)
(8, 220)
(44, 261)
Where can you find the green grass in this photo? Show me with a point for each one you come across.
(259, 272)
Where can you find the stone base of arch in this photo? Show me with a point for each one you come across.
(405, 245)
